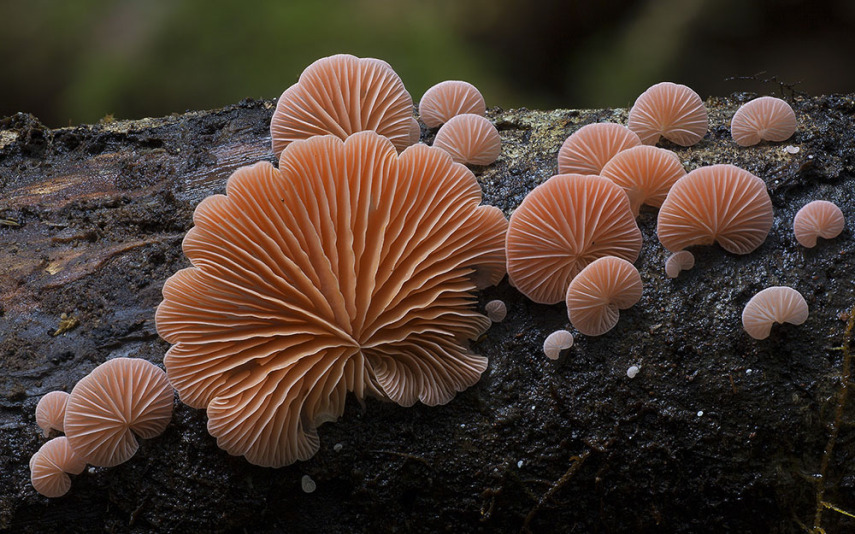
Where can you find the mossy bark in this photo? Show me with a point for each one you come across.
(718, 432)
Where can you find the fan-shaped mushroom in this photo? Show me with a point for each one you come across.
(556, 342)
(448, 99)
(601, 289)
(719, 203)
(563, 225)
(119, 398)
(682, 260)
(50, 465)
(670, 110)
(819, 218)
(590, 147)
(342, 95)
(348, 269)
(50, 411)
(646, 173)
(469, 139)
(763, 119)
(778, 304)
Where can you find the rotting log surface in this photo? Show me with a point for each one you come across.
(91, 222)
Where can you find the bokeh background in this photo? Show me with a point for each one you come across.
(70, 62)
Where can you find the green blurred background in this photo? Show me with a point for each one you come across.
(70, 62)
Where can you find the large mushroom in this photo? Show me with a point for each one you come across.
(349, 269)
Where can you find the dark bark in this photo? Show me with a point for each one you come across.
(718, 432)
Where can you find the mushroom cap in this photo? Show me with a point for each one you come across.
(646, 173)
(718, 203)
(602, 288)
(119, 398)
(819, 218)
(763, 119)
(590, 147)
(682, 260)
(415, 131)
(448, 99)
(342, 95)
(556, 342)
(670, 110)
(496, 311)
(49, 467)
(469, 139)
(778, 304)
(350, 268)
(563, 225)
(50, 412)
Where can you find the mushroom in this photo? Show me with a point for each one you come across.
(602, 288)
(763, 119)
(590, 147)
(646, 173)
(469, 139)
(415, 131)
(50, 465)
(819, 218)
(563, 225)
(119, 398)
(556, 342)
(670, 110)
(718, 203)
(342, 95)
(50, 411)
(448, 99)
(778, 304)
(496, 311)
(349, 269)
(682, 260)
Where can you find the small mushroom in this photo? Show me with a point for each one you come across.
(470, 139)
(679, 261)
(646, 173)
(119, 398)
(50, 465)
(718, 203)
(819, 218)
(669, 110)
(590, 147)
(496, 311)
(778, 304)
(763, 119)
(50, 412)
(556, 342)
(448, 99)
(602, 288)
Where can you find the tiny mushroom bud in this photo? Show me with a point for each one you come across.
(763, 119)
(590, 147)
(669, 110)
(556, 342)
(496, 311)
(50, 412)
(819, 218)
(448, 99)
(779, 304)
(50, 465)
(679, 261)
(470, 139)
(602, 288)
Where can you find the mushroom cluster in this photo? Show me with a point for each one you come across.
(119, 399)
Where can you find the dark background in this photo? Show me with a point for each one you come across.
(77, 62)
